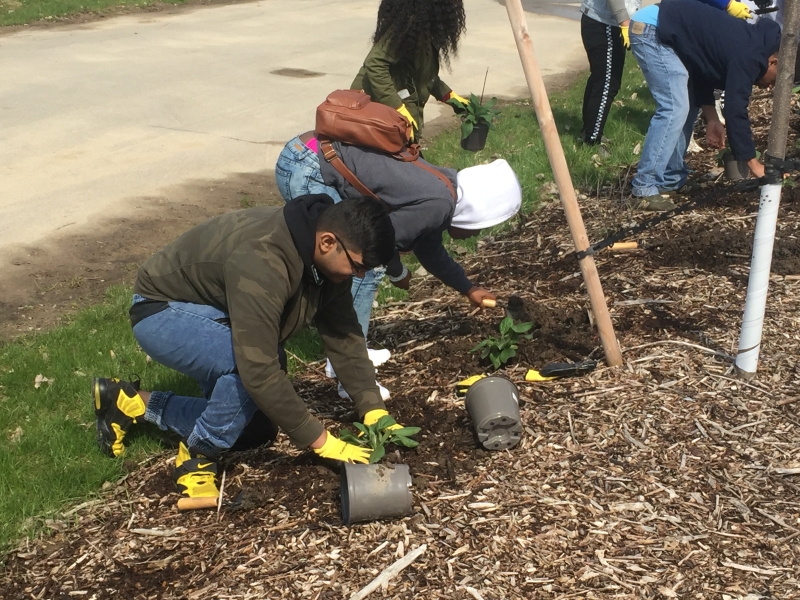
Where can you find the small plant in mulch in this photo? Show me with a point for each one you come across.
(499, 350)
(378, 436)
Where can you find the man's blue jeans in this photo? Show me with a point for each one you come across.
(661, 167)
(191, 339)
(297, 173)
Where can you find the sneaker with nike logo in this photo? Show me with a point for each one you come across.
(195, 475)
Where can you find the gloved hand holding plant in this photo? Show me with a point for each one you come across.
(379, 434)
(474, 113)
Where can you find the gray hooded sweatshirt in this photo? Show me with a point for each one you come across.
(421, 206)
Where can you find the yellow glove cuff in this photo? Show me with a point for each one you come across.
(456, 97)
(739, 10)
(626, 36)
(330, 443)
(375, 415)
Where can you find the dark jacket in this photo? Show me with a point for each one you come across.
(421, 206)
(720, 52)
(256, 265)
(382, 76)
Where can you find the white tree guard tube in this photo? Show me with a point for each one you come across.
(760, 264)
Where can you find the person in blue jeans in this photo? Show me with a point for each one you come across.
(686, 49)
(218, 303)
(424, 201)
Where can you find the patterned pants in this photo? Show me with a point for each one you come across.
(606, 53)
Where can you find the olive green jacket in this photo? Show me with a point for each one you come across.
(382, 77)
(248, 264)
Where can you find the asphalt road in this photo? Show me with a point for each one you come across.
(100, 117)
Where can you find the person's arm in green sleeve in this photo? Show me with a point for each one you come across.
(440, 90)
(377, 67)
(347, 349)
(257, 289)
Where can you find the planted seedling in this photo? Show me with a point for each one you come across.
(378, 436)
(475, 113)
(501, 349)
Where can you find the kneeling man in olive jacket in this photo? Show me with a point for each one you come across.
(218, 303)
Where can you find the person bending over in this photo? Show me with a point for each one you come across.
(424, 201)
(686, 49)
(218, 303)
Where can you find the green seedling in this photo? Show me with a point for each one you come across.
(475, 113)
(378, 436)
(502, 349)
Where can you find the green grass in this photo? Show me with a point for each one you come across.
(21, 12)
(516, 137)
(48, 456)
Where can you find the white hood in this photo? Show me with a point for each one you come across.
(487, 196)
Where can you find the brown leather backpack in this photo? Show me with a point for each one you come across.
(351, 117)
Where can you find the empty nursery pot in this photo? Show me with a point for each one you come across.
(477, 139)
(372, 492)
(493, 405)
(735, 169)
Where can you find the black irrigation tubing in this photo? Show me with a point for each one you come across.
(647, 224)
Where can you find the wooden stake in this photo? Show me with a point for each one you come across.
(558, 162)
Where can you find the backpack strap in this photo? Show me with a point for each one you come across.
(330, 155)
(337, 163)
(441, 176)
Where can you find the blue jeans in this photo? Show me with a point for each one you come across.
(661, 167)
(297, 173)
(191, 339)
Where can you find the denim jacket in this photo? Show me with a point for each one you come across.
(610, 12)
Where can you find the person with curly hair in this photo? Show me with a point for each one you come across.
(412, 40)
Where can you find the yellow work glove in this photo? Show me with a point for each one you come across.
(337, 449)
(626, 35)
(457, 98)
(375, 415)
(404, 111)
(739, 10)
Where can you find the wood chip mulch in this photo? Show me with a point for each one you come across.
(665, 478)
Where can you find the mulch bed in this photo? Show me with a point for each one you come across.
(665, 478)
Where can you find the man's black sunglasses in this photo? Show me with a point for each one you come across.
(357, 267)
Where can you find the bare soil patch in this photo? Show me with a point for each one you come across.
(42, 283)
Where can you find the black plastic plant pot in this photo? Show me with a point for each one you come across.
(493, 405)
(477, 139)
(735, 169)
(371, 492)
